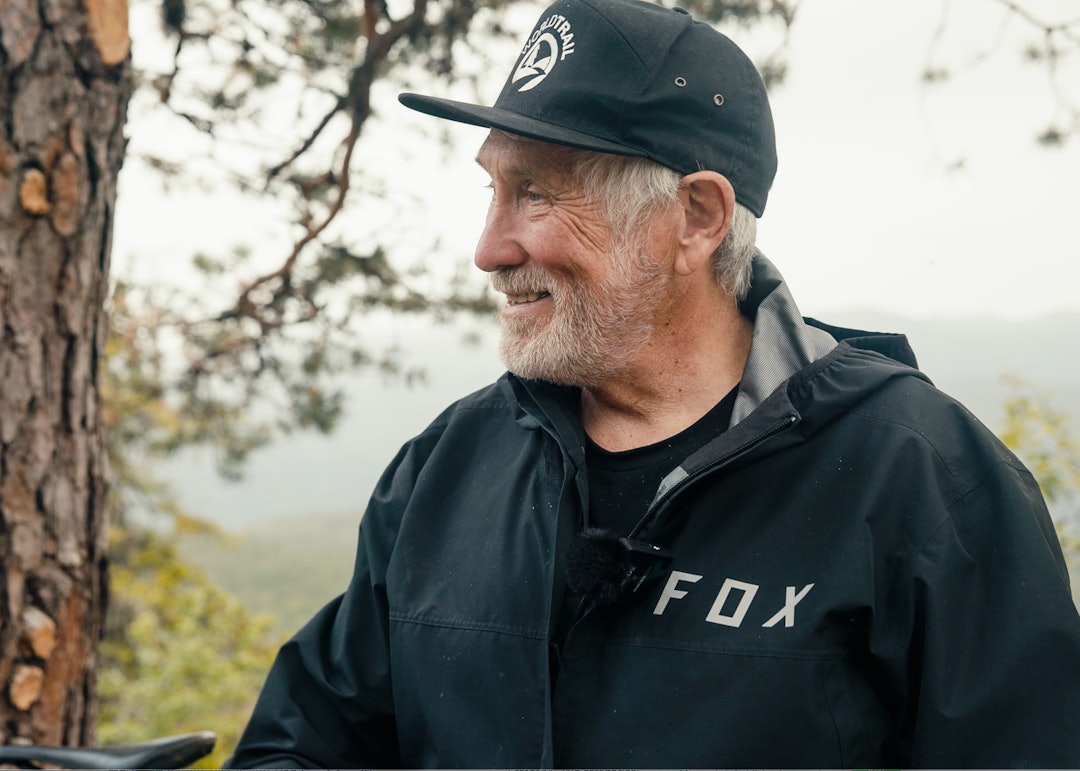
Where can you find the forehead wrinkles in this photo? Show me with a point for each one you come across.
(522, 156)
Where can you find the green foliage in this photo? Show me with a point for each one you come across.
(1039, 433)
(179, 655)
(147, 417)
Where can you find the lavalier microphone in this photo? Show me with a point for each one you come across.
(606, 568)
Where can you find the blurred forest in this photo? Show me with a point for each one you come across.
(275, 100)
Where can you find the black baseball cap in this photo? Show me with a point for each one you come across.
(633, 78)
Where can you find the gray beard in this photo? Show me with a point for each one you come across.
(593, 334)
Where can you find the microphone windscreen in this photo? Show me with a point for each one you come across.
(597, 565)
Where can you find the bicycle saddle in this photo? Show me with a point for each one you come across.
(168, 752)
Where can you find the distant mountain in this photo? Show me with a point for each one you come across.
(967, 357)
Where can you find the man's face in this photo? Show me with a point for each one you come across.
(581, 300)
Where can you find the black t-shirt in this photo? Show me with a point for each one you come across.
(622, 484)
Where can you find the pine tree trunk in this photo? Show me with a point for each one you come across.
(65, 81)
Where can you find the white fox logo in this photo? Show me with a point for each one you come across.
(731, 589)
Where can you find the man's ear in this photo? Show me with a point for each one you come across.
(708, 202)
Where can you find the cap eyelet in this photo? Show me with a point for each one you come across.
(680, 82)
(718, 99)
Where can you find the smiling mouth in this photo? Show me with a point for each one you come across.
(521, 299)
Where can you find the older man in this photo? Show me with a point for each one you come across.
(688, 528)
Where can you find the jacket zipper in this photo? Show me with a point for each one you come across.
(786, 422)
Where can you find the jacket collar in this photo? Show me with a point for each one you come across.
(783, 343)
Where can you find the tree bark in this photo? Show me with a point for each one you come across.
(65, 82)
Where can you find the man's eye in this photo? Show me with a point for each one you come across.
(534, 194)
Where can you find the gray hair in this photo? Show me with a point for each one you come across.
(631, 190)
(733, 259)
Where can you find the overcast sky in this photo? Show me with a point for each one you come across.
(865, 211)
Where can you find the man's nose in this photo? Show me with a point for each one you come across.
(499, 247)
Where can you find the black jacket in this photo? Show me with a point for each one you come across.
(863, 576)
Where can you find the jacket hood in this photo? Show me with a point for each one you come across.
(784, 342)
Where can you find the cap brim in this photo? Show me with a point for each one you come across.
(513, 122)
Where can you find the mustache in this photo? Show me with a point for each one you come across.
(521, 280)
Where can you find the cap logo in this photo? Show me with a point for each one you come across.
(550, 43)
